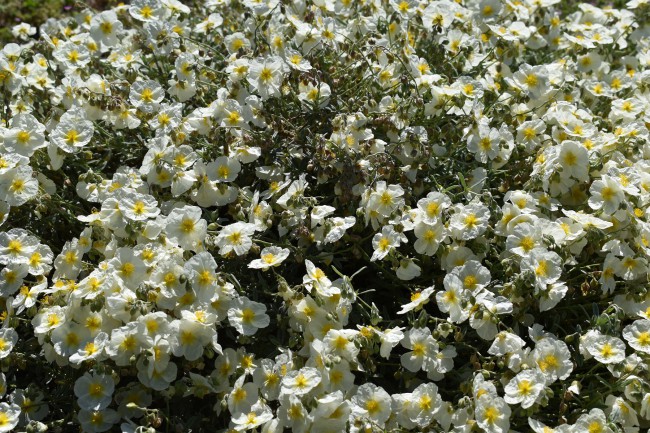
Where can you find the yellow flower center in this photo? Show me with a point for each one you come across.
(372, 406)
(531, 80)
(127, 269)
(72, 137)
(419, 349)
(96, 390)
(138, 208)
(301, 381)
(607, 351)
(527, 243)
(106, 27)
(73, 56)
(247, 315)
(15, 246)
(147, 95)
(491, 415)
(425, 402)
(595, 427)
(525, 387)
(23, 137)
(548, 362)
(607, 193)
(187, 226)
(266, 74)
(433, 209)
(471, 220)
(470, 282)
(146, 12)
(570, 158)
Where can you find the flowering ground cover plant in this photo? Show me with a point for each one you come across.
(327, 216)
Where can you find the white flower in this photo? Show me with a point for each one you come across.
(11, 278)
(18, 186)
(8, 339)
(266, 75)
(573, 161)
(594, 421)
(186, 228)
(25, 136)
(314, 96)
(525, 388)
(425, 404)
(373, 402)
(469, 221)
(606, 194)
(210, 23)
(73, 132)
(621, 410)
(533, 79)
(484, 143)
(17, 246)
(638, 335)
(384, 200)
(97, 421)
(242, 397)
(389, 339)
(269, 257)
(9, 416)
(337, 227)
(189, 337)
(546, 266)
(316, 279)
(423, 350)
(202, 272)
(138, 207)
(92, 350)
(146, 95)
(473, 275)
(524, 238)
(48, 319)
(552, 296)
(606, 349)
(418, 299)
(489, 307)
(247, 316)
(72, 56)
(429, 237)
(223, 169)
(258, 415)
(553, 359)
(300, 382)
(147, 10)
(451, 300)
(506, 342)
(94, 391)
(105, 28)
(407, 269)
(126, 342)
(23, 31)
(384, 242)
(492, 414)
(129, 267)
(235, 237)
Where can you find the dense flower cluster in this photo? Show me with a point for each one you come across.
(327, 216)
